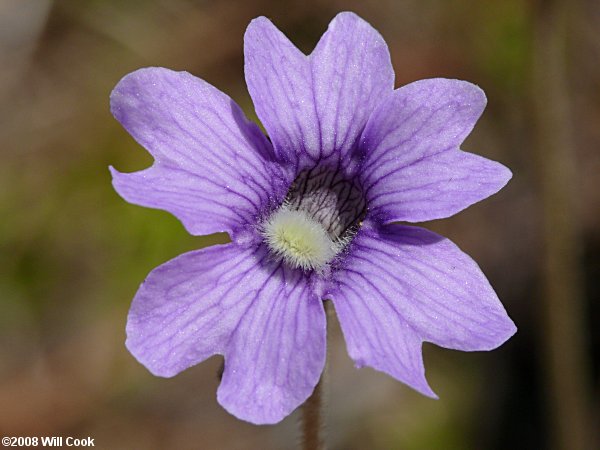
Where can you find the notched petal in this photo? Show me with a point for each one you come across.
(401, 286)
(213, 168)
(413, 169)
(315, 108)
(376, 336)
(265, 319)
(277, 353)
(187, 308)
(434, 187)
(352, 73)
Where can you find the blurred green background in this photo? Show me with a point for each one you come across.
(72, 253)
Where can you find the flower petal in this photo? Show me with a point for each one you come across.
(238, 302)
(277, 353)
(352, 72)
(377, 336)
(279, 82)
(413, 169)
(403, 285)
(316, 107)
(187, 308)
(212, 167)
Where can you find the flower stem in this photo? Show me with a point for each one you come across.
(311, 420)
(312, 409)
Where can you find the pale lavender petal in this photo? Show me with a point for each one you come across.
(279, 81)
(413, 168)
(277, 353)
(212, 167)
(316, 107)
(433, 187)
(187, 308)
(352, 73)
(403, 285)
(228, 300)
(377, 336)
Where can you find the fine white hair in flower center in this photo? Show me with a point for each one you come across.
(299, 239)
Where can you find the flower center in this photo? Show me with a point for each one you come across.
(318, 218)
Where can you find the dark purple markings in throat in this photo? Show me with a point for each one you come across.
(329, 197)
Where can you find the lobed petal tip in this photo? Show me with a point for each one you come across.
(418, 382)
(424, 389)
(350, 16)
(258, 25)
(130, 85)
(433, 396)
(347, 15)
(464, 92)
(349, 20)
(115, 173)
(243, 414)
(510, 331)
(467, 86)
(507, 175)
(503, 333)
(498, 178)
(260, 19)
(274, 411)
(138, 352)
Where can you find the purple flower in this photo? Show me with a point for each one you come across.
(311, 214)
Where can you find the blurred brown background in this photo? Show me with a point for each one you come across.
(72, 253)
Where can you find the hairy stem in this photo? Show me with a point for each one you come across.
(312, 409)
(311, 420)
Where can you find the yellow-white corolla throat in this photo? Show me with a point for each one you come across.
(317, 220)
(300, 240)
